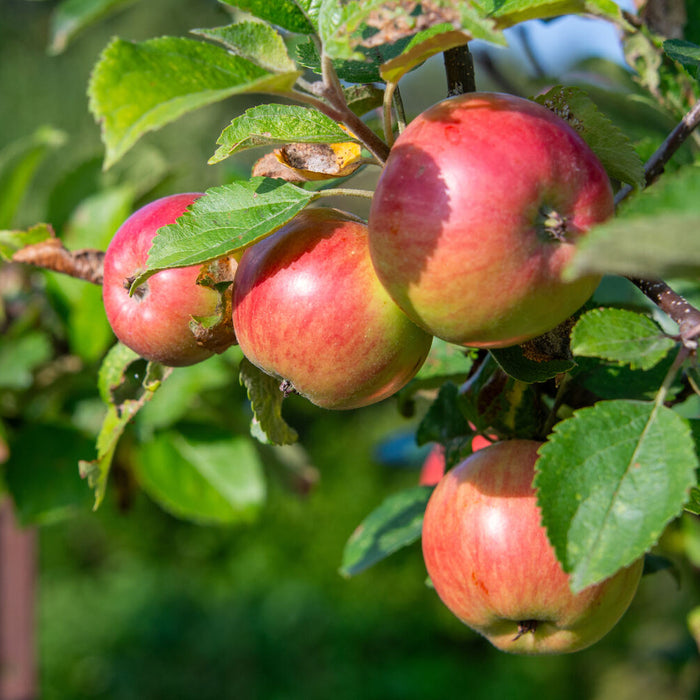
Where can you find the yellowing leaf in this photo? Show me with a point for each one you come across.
(321, 161)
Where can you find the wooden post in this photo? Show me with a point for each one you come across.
(18, 672)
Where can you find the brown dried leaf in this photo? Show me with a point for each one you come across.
(321, 161)
(216, 332)
(270, 166)
(50, 254)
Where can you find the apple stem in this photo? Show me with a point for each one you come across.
(459, 70)
(138, 293)
(525, 626)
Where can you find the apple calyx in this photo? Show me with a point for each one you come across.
(525, 627)
(552, 224)
(287, 388)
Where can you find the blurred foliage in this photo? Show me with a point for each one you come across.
(134, 603)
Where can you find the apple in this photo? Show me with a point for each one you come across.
(155, 321)
(309, 310)
(492, 565)
(477, 212)
(433, 468)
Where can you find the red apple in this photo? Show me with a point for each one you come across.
(155, 321)
(433, 468)
(492, 565)
(477, 212)
(309, 309)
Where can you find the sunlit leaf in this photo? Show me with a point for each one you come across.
(609, 480)
(139, 87)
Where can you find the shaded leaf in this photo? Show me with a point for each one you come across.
(396, 523)
(612, 146)
(609, 480)
(72, 16)
(685, 52)
(622, 336)
(139, 87)
(630, 243)
(266, 401)
(204, 475)
(514, 362)
(42, 473)
(19, 357)
(444, 419)
(19, 161)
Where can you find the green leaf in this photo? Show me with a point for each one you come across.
(19, 161)
(608, 381)
(12, 241)
(277, 124)
(609, 480)
(254, 41)
(437, 39)
(630, 243)
(126, 383)
(19, 357)
(266, 401)
(612, 146)
(693, 504)
(288, 14)
(396, 523)
(620, 336)
(139, 87)
(444, 419)
(510, 12)
(685, 52)
(514, 363)
(202, 474)
(226, 219)
(42, 473)
(72, 16)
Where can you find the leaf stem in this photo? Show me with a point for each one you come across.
(661, 395)
(386, 112)
(344, 192)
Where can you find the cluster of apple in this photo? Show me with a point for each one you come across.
(476, 213)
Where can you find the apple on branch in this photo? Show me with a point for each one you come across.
(477, 212)
(491, 563)
(158, 320)
(308, 309)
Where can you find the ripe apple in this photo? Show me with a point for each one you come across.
(309, 309)
(433, 468)
(492, 565)
(155, 321)
(477, 212)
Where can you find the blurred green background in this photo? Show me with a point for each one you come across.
(134, 603)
